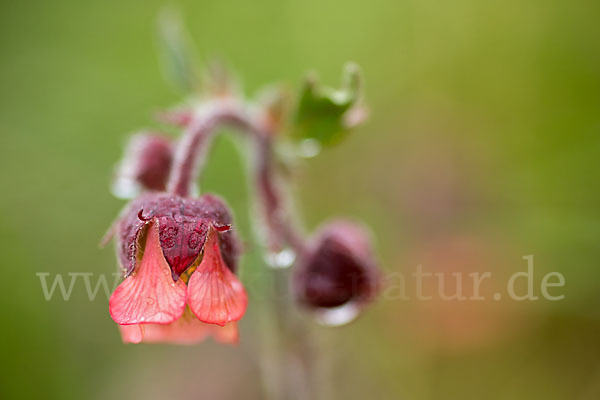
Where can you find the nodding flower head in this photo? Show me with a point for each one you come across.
(338, 268)
(145, 165)
(178, 257)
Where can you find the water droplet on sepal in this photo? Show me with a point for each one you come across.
(338, 316)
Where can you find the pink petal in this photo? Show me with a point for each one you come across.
(149, 295)
(131, 333)
(227, 334)
(186, 330)
(214, 294)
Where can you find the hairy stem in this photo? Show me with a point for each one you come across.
(195, 142)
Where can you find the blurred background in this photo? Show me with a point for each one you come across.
(482, 147)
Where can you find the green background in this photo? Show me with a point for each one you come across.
(482, 147)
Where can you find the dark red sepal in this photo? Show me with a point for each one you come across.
(183, 225)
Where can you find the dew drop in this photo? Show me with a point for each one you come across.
(309, 148)
(194, 240)
(281, 260)
(125, 188)
(339, 315)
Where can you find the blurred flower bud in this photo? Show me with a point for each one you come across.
(146, 165)
(338, 268)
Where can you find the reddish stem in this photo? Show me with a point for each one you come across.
(195, 143)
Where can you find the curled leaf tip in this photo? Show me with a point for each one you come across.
(324, 114)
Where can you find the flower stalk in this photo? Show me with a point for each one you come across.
(288, 356)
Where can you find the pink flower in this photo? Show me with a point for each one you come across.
(178, 255)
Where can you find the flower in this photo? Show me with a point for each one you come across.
(178, 256)
(145, 165)
(338, 268)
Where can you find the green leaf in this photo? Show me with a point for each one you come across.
(176, 52)
(324, 114)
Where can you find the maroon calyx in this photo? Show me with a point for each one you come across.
(183, 226)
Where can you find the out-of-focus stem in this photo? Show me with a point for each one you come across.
(290, 357)
(281, 229)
